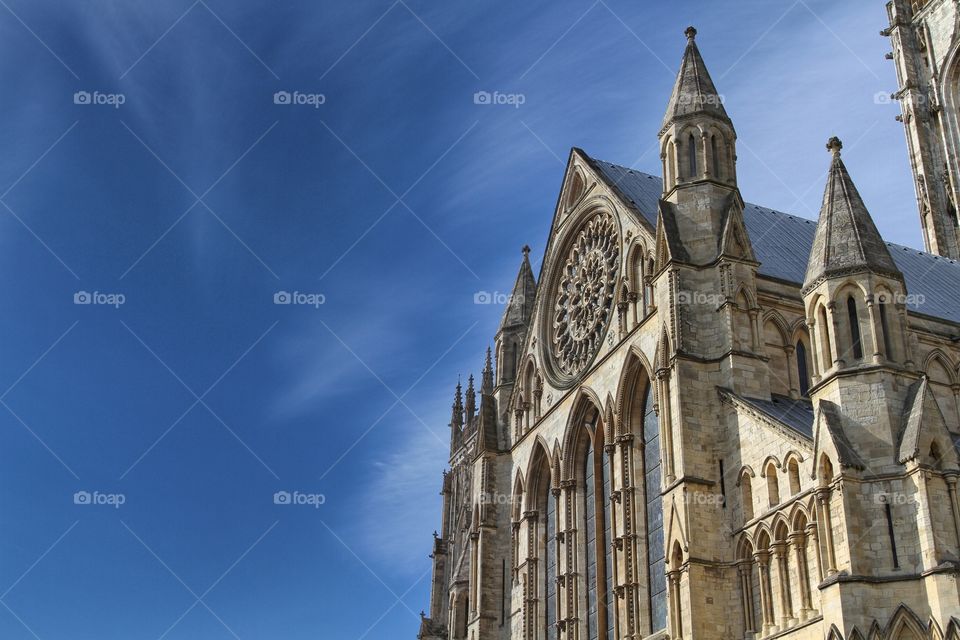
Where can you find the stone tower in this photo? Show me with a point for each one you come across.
(925, 38)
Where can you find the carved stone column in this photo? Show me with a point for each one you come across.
(531, 600)
(744, 571)
(815, 342)
(798, 541)
(762, 559)
(665, 416)
(627, 599)
(875, 330)
(814, 537)
(676, 614)
(793, 377)
(783, 574)
(823, 502)
(951, 480)
(568, 582)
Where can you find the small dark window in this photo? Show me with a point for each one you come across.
(692, 157)
(714, 153)
(802, 372)
(854, 319)
(885, 327)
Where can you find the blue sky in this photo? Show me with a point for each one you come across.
(397, 199)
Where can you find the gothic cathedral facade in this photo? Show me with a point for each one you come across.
(707, 419)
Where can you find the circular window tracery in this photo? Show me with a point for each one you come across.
(583, 295)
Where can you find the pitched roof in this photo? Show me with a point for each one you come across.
(847, 240)
(782, 244)
(694, 91)
(520, 304)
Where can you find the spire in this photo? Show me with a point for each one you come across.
(486, 385)
(694, 92)
(847, 240)
(471, 402)
(520, 304)
(456, 420)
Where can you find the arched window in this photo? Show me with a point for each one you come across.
(671, 165)
(692, 157)
(793, 470)
(773, 485)
(803, 372)
(746, 496)
(823, 333)
(885, 328)
(826, 470)
(715, 155)
(656, 555)
(597, 536)
(550, 565)
(854, 320)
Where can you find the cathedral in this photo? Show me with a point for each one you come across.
(708, 420)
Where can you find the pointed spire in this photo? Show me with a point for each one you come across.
(847, 240)
(486, 385)
(694, 92)
(520, 304)
(471, 402)
(456, 421)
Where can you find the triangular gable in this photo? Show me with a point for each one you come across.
(830, 438)
(923, 425)
(735, 241)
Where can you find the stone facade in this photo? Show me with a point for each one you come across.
(926, 50)
(709, 420)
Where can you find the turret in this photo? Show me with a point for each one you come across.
(470, 408)
(513, 326)
(698, 151)
(456, 420)
(853, 290)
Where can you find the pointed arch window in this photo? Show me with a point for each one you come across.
(746, 497)
(656, 555)
(692, 157)
(823, 334)
(854, 320)
(885, 328)
(803, 372)
(773, 485)
(597, 538)
(715, 156)
(550, 562)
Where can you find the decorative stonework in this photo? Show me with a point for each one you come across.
(582, 299)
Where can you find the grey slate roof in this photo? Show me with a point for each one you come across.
(782, 244)
(847, 240)
(520, 305)
(694, 91)
(796, 414)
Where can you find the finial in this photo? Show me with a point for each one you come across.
(834, 145)
(525, 250)
(691, 33)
